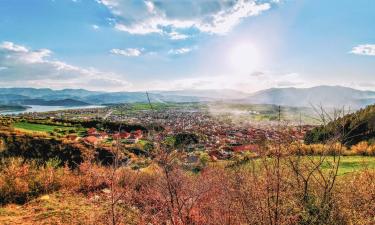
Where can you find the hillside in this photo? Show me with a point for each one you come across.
(327, 96)
(63, 102)
(5, 108)
(355, 127)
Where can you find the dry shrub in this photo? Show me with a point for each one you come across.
(88, 178)
(317, 149)
(177, 197)
(21, 181)
(363, 148)
(356, 196)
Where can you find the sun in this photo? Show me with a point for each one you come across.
(244, 57)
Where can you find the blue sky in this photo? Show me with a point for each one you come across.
(128, 45)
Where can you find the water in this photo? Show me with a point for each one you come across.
(39, 108)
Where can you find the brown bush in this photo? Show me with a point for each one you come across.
(20, 182)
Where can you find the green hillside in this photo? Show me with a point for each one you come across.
(350, 129)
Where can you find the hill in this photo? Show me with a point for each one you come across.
(327, 96)
(6, 108)
(355, 127)
(63, 102)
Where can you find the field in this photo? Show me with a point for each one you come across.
(33, 127)
(350, 164)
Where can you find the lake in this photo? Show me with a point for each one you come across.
(39, 108)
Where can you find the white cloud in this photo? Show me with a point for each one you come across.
(214, 17)
(368, 49)
(141, 28)
(245, 83)
(224, 21)
(180, 51)
(95, 27)
(177, 36)
(10, 46)
(130, 52)
(28, 67)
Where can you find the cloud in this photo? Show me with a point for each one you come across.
(166, 17)
(177, 36)
(257, 74)
(129, 52)
(95, 27)
(243, 83)
(367, 49)
(23, 66)
(179, 51)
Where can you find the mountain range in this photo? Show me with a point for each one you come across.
(326, 96)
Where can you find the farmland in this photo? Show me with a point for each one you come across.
(33, 127)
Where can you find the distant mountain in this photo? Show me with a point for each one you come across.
(132, 97)
(210, 94)
(48, 94)
(11, 99)
(327, 96)
(63, 102)
(6, 108)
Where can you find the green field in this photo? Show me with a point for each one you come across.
(33, 127)
(350, 164)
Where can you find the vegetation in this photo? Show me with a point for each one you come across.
(38, 127)
(185, 139)
(356, 127)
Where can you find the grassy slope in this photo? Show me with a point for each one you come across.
(36, 127)
(348, 164)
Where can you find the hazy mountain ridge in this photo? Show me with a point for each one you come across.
(327, 96)
(63, 102)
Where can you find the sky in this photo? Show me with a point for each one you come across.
(134, 45)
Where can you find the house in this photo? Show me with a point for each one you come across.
(138, 134)
(102, 135)
(91, 140)
(72, 137)
(92, 131)
(132, 139)
(220, 154)
(122, 135)
(244, 148)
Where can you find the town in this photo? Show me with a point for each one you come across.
(215, 134)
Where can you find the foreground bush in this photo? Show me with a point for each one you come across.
(21, 182)
(269, 190)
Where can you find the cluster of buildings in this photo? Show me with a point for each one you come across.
(217, 135)
(95, 137)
